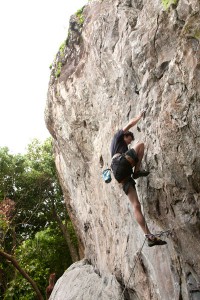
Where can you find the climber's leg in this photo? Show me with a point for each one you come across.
(151, 239)
(133, 197)
(139, 149)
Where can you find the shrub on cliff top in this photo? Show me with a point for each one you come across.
(79, 15)
(167, 3)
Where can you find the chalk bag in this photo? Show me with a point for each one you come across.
(106, 174)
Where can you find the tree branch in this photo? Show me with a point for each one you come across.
(22, 272)
(63, 228)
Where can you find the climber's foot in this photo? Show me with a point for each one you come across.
(141, 173)
(154, 241)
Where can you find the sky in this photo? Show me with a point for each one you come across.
(31, 33)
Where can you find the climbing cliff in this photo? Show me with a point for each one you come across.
(120, 57)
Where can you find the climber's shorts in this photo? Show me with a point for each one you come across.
(121, 168)
(132, 154)
(122, 171)
(127, 184)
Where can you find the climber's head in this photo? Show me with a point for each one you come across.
(128, 137)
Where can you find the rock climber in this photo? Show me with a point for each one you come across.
(123, 162)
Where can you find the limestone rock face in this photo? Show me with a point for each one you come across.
(90, 285)
(120, 57)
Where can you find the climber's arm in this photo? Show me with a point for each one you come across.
(134, 121)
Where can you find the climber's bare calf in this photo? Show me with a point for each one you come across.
(139, 149)
(133, 197)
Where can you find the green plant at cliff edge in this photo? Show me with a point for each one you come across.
(197, 35)
(62, 49)
(167, 3)
(79, 15)
(58, 69)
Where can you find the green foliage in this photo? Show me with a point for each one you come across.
(192, 28)
(40, 157)
(58, 65)
(31, 181)
(70, 229)
(58, 69)
(3, 223)
(68, 37)
(45, 254)
(167, 3)
(35, 188)
(10, 168)
(58, 61)
(62, 49)
(80, 16)
(197, 35)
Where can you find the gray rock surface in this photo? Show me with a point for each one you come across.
(90, 285)
(126, 56)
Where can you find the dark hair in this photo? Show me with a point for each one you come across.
(129, 133)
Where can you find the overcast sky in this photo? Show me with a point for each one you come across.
(31, 33)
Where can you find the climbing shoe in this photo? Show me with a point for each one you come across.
(141, 173)
(155, 242)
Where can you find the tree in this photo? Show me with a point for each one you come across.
(31, 182)
(46, 253)
(23, 272)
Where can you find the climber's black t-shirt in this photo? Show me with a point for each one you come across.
(118, 144)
